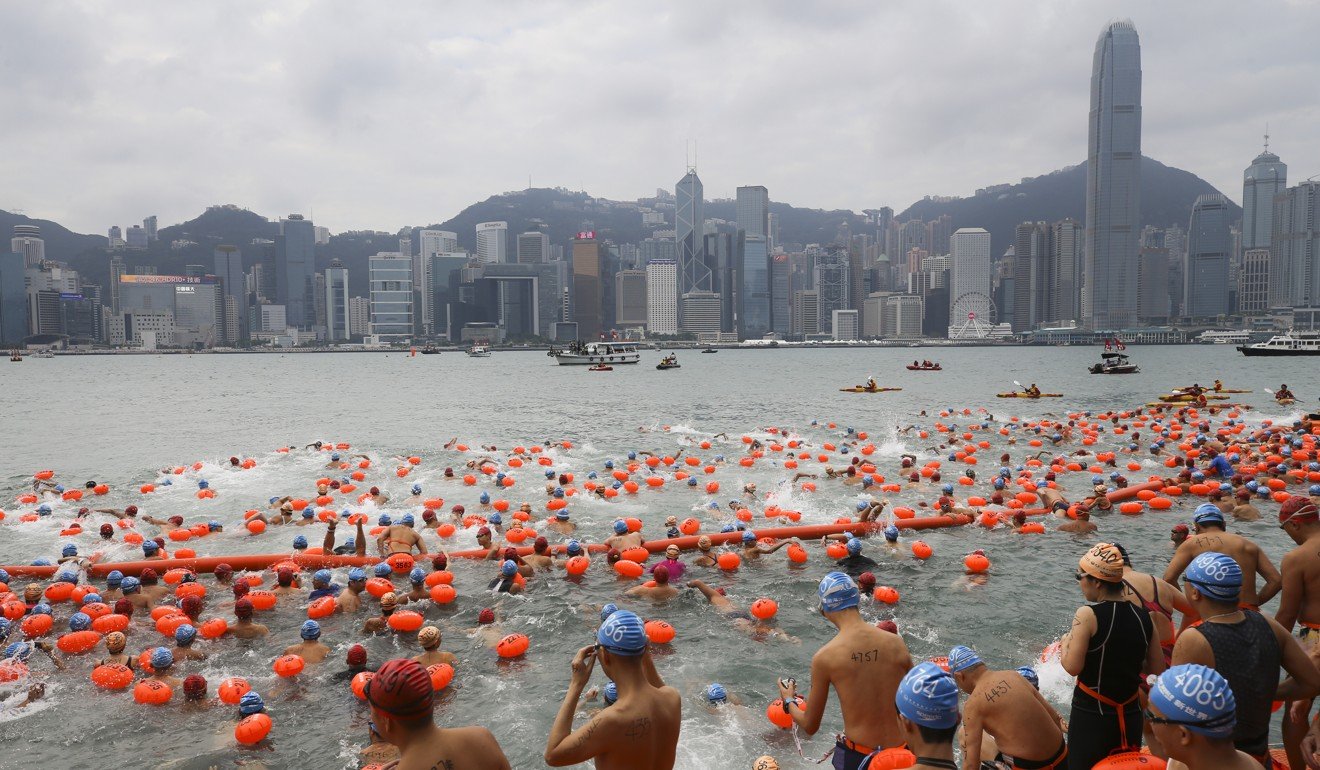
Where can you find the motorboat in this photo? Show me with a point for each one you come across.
(1291, 343)
(600, 368)
(710, 350)
(668, 362)
(15, 356)
(430, 350)
(1114, 363)
(479, 351)
(924, 366)
(586, 354)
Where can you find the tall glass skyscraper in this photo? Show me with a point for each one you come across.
(1266, 177)
(295, 271)
(1113, 180)
(690, 225)
(1205, 280)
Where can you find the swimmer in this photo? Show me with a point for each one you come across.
(115, 641)
(285, 585)
(855, 563)
(162, 661)
(355, 662)
(378, 752)
(1004, 705)
(321, 585)
(1242, 509)
(401, 700)
(1178, 535)
(574, 548)
(872, 511)
(539, 558)
(487, 630)
(753, 550)
(350, 599)
(1199, 736)
(400, 538)
(184, 636)
(505, 582)
(311, 649)
(641, 729)
(1082, 525)
(1300, 601)
(417, 590)
(864, 666)
(740, 618)
(429, 638)
(1210, 535)
(706, 558)
(561, 524)
(381, 623)
(483, 541)
(357, 544)
(245, 628)
(132, 589)
(672, 564)
(622, 539)
(660, 592)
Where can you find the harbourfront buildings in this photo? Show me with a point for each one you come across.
(1205, 278)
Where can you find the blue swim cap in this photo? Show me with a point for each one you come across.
(80, 621)
(91, 599)
(4, 627)
(590, 475)
(692, 481)
(496, 519)
(485, 498)
(559, 492)
(620, 527)
(43, 509)
(1097, 480)
(1314, 491)
(854, 546)
(307, 512)
(311, 631)
(609, 463)
(749, 537)
(509, 568)
(947, 489)
(20, 650)
(715, 693)
(203, 484)
(41, 562)
(928, 696)
(384, 520)
(67, 577)
(416, 489)
(321, 576)
(962, 658)
(866, 481)
(383, 570)
(357, 575)
(837, 592)
(549, 474)
(69, 550)
(130, 584)
(891, 533)
(1197, 698)
(608, 610)
(213, 525)
(4, 576)
(632, 455)
(1028, 673)
(149, 546)
(1208, 513)
(161, 658)
(407, 520)
(561, 515)
(417, 576)
(334, 456)
(274, 500)
(999, 483)
(350, 542)
(185, 634)
(861, 505)
(622, 633)
(1198, 476)
(300, 542)
(250, 703)
(1216, 575)
(610, 692)
(1263, 492)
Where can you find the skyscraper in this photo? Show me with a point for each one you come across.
(149, 224)
(116, 270)
(1205, 281)
(630, 298)
(1295, 248)
(1032, 282)
(390, 276)
(754, 211)
(295, 271)
(1067, 271)
(970, 269)
(587, 270)
(662, 296)
(434, 242)
(1113, 180)
(13, 298)
(781, 296)
(832, 281)
(533, 247)
(27, 241)
(753, 294)
(1265, 178)
(690, 225)
(493, 242)
(229, 269)
(337, 324)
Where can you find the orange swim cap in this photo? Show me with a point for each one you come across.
(1104, 562)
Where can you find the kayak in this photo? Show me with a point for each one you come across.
(936, 368)
(1185, 405)
(867, 390)
(601, 369)
(1175, 398)
(1025, 395)
(1229, 390)
(1286, 401)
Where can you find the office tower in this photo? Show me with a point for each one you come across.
(405, 242)
(630, 298)
(690, 224)
(806, 313)
(359, 316)
(700, 314)
(1205, 279)
(1253, 281)
(1264, 179)
(391, 293)
(1113, 180)
(588, 267)
(136, 238)
(434, 242)
(903, 316)
(772, 236)
(832, 284)
(1295, 247)
(116, 270)
(660, 245)
(492, 242)
(295, 265)
(970, 270)
(912, 234)
(753, 211)
(662, 297)
(724, 257)
(1067, 271)
(753, 295)
(13, 298)
(937, 234)
(149, 224)
(873, 318)
(229, 269)
(533, 247)
(1032, 282)
(781, 295)
(337, 325)
(843, 324)
(883, 219)
(1153, 302)
(28, 242)
(322, 235)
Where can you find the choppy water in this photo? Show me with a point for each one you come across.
(120, 420)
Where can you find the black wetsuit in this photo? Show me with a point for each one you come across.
(1114, 660)
(1247, 654)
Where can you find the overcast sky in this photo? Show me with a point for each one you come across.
(380, 115)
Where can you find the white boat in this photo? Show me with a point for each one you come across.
(1223, 337)
(1293, 343)
(479, 351)
(580, 354)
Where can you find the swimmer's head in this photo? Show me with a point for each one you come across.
(250, 704)
(191, 606)
(382, 570)
(321, 578)
(388, 602)
(299, 543)
(715, 693)
(185, 634)
(124, 607)
(837, 592)
(149, 547)
(622, 634)
(243, 608)
(483, 533)
(241, 589)
(703, 543)
(357, 575)
(80, 621)
(891, 533)
(176, 521)
(374, 491)
(417, 576)
(486, 616)
(162, 659)
(428, 516)
(866, 582)
(661, 574)
(407, 520)
(608, 610)
(574, 548)
(1177, 696)
(561, 514)
(112, 580)
(1028, 673)
(620, 527)
(928, 697)
(887, 625)
(416, 489)
(130, 585)
(284, 577)
(509, 568)
(672, 552)
(854, 546)
(429, 637)
(194, 687)
(439, 562)
(310, 631)
(610, 692)
(107, 531)
(384, 520)
(115, 642)
(357, 655)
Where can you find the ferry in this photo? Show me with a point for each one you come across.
(1293, 343)
(1223, 338)
(579, 354)
(479, 351)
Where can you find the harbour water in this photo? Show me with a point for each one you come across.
(122, 420)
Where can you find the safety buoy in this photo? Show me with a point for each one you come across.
(233, 689)
(112, 676)
(288, 665)
(252, 729)
(512, 646)
(659, 632)
(152, 692)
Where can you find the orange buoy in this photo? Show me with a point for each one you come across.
(776, 714)
(112, 676)
(764, 608)
(288, 665)
(577, 565)
(1032, 528)
(213, 628)
(797, 554)
(512, 646)
(628, 568)
(323, 607)
(659, 632)
(637, 554)
(440, 576)
(77, 642)
(107, 623)
(406, 620)
(152, 692)
(1130, 760)
(728, 561)
(252, 729)
(256, 526)
(1161, 503)
(443, 593)
(441, 675)
(976, 563)
(885, 594)
(921, 550)
(233, 689)
(1131, 508)
(359, 683)
(34, 626)
(378, 587)
(836, 550)
(261, 600)
(401, 563)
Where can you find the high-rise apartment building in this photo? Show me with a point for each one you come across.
(533, 248)
(1113, 180)
(1253, 281)
(493, 242)
(1295, 247)
(1067, 271)
(391, 293)
(902, 317)
(588, 270)
(337, 324)
(753, 211)
(690, 224)
(1205, 280)
(27, 241)
(149, 224)
(970, 272)
(806, 313)
(1265, 178)
(662, 296)
(136, 238)
(359, 316)
(295, 271)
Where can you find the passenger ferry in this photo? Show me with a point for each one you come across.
(1223, 338)
(1293, 343)
(579, 354)
(479, 350)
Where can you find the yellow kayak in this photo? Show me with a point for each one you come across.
(859, 389)
(1019, 394)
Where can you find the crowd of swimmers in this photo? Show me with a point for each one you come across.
(1183, 663)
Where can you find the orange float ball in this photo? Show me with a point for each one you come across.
(252, 729)
(233, 689)
(921, 550)
(976, 563)
(577, 565)
(441, 675)
(764, 608)
(659, 632)
(776, 714)
(512, 646)
(443, 593)
(359, 683)
(112, 676)
(628, 569)
(288, 665)
(885, 594)
(152, 692)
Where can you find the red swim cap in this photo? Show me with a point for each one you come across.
(243, 608)
(107, 531)
(661, 573)
(149, 577)
(541, 544)
(176, 521)
(191, 606)
(223, 569)
(241, 589)
(124, 607)
(428, 515)
(401, 688)
(1298, 508)
(357, 655)
(865, 579)
(458, 509)
(887, 625)
(439, 561)
(194, 686)
(486, 617)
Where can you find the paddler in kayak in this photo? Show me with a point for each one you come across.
(1033, 391)
(1219, 385)
(872, 386)
(1283, 394)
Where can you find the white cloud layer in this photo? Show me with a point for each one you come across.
(401, 113)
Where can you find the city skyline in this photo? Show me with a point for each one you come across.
(167, 118)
